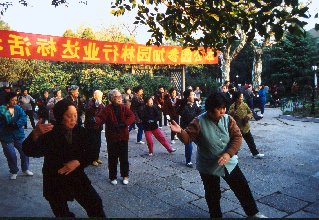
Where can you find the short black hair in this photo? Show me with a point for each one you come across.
(127, 88)
(161, 86)
(171, 90)
(236, 95)
(187, 93)
(215, 100)
(137, 88)
(147, 98)
(9, 96)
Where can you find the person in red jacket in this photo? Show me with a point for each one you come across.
(117, 117)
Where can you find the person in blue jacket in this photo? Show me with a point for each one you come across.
(12, 120)
(262, 99)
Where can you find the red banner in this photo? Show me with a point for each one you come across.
(45, 47)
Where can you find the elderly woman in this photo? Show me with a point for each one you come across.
(218, 139)
(240, 111)
(94, 107)
(117, 117)
(64, 148)
(12, 120)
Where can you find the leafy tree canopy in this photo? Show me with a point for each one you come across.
(212, 23)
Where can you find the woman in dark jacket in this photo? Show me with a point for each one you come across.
(188, 110)
(64, 148)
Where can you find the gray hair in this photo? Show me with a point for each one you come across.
(112, 94)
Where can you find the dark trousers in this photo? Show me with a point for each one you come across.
(238, 184)
(87, 198)
(29, 113)
(176, 119)
(94, 136)
(250, 142)
(160, 121)
(118, 150)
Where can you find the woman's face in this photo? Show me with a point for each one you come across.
(191, 97)
(240, 98)
(173, 94)
(13, 101)
(149, 103)
(140, 92)
(70, 117)
(59, 94)
(217, 113)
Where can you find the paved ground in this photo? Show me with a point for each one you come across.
(285, 183)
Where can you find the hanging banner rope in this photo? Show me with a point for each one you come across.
(45, 47)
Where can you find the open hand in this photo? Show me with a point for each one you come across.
(175, 127)
(69, 167)
(223, 159)
(41, 129)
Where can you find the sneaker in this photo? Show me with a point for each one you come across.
(99, 161)
(172, 150)
(95, 163)
(140, 142)
(114, 182)
(261, 115)
(175, 137)
(190, 165)
(13, 176)
(125, 180)
(172, 142)
(150, 154)
(259, 215)
(160, 127)
(28, 173)
(259, 156)
(135, 129)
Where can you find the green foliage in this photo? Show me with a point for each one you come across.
(291, 60)
(213, 23)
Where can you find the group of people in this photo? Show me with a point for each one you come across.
(67, 151)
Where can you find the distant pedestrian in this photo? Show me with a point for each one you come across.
(150, 116)
(57, 96)
(94, 107)
(12, 120)
(171, 103)
(262, 99)
(240, 111)
(43, 112)
(188, 110)
(26, 101)
(198, 92)
(218, 140)
(73, 96)
(64, 148)
(159, 103)
(137, 107)
(117, 117)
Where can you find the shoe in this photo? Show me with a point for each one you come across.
(259, 156)
(114, 182)
(172, 150)
(259, 215)
(135, 129)
(150, 154)
(13, 176)
(175, 137)
(258, 118)
(172, 142)
(103, 131)
(125, 180)
(160, 127)
(28, 173)
(190, 165)
(140, 142)
(261, 115)
(95, 163)
(99, 161)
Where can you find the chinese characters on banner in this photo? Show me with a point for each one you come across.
(45, 47)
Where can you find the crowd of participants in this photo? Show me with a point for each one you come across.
(69, 144)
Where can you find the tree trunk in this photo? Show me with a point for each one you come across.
(257, 67)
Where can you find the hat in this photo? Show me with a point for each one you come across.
(60, 108)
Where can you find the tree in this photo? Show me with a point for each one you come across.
(216, 24)
(291, 60)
